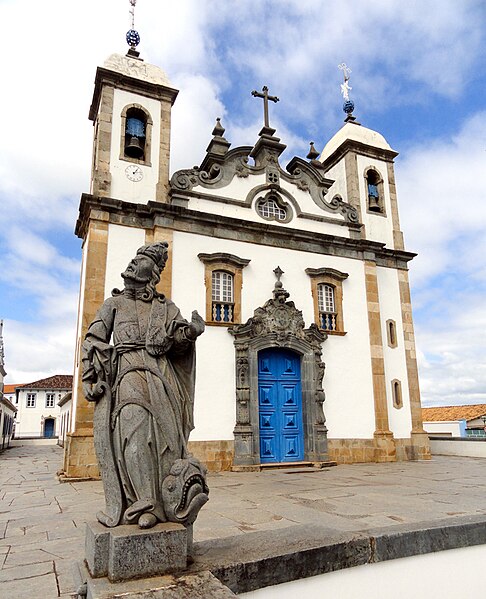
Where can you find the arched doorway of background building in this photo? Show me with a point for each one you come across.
(49, 428)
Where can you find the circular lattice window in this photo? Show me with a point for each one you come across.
(271, 207)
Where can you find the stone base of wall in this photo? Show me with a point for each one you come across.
(79, 457)
(216, 455)
(352, 451)
(415, 448)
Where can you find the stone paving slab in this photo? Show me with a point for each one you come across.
(42, 521)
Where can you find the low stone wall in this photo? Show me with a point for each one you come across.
(473, 448)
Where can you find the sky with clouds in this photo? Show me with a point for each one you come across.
(418, 77)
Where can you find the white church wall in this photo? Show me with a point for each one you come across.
(214, 409)
(123, 242)
(395, 362)
(240, 188)
(378, 227)
(348, 383)
(338, 173)
(121, 187)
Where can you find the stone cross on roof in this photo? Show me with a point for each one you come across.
(266, 98)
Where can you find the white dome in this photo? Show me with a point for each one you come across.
(356, 133)
(138, 69)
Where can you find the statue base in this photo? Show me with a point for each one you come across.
(126, 553)
(184, 585)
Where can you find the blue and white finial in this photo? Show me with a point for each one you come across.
(348, 105)
(133, 37)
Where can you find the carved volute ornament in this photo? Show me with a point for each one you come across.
(278, 323)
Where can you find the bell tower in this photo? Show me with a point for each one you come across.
(131, 110)
(131, 114)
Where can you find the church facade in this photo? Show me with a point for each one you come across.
(299, 270)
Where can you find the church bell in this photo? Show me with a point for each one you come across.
(134, 149)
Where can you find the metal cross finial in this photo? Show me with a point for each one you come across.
(278, 273)
(132, 12)
(345, 87)
(266, 98)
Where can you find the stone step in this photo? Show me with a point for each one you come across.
(294, 466)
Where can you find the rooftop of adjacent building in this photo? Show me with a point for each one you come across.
(451, 413)
(57, 381)
(11, 388)
(254, 521)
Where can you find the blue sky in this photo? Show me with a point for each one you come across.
(418, 77)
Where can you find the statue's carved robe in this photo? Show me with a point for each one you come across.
(143, 427)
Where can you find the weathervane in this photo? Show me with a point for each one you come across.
(133, 37)
(266, 98)
(348, 105)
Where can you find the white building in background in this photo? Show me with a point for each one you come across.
(298, 269)
(7, 409)
(38, 413)
(65, 405)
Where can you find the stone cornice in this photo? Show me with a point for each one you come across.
(351, 145)
(224, 257)
(182, 219)
(327, 272)
(127, 83)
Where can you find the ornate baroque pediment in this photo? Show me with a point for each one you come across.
(221, 165)
(279, 319)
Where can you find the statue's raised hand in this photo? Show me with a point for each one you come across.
(93, 391)
(196, 326)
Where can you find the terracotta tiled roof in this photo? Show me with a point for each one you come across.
(10, 388)
(58, 381)
(440, 414)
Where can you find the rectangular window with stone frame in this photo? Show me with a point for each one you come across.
(223, 280)
(31, 397)
(327, 294)
(50, 398)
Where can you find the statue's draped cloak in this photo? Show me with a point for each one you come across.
(144, 418)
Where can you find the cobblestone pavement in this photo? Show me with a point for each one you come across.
(42, 520)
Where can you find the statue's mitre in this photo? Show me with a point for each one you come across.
(158, 252)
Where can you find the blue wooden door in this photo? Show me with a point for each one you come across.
(49, 428)
(280, 406)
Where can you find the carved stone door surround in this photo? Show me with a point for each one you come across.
(278, 324)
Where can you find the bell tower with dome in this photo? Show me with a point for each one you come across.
(318, 367)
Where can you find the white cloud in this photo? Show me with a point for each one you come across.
(442, 198)
(443, 213)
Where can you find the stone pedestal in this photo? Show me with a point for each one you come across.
(127, 552)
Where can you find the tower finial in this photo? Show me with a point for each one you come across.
(133, 37)
(348, 105)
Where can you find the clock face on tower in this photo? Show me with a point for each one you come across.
(134, 172)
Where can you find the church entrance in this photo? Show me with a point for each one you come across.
(49, 428)
(280, 406)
